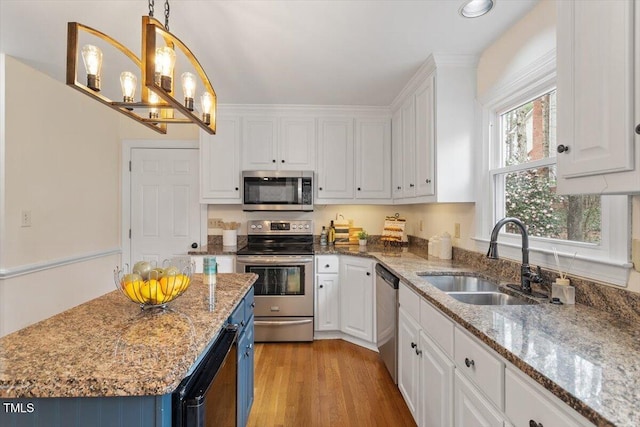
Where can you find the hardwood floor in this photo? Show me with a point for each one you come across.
(324, 383)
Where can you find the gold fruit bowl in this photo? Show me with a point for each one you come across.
(151, 286)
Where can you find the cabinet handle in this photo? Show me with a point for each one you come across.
(563, 148)
(469, 362)
(413, 345)
(321, 286)
(411, 185)
(638, 129)
(532, 423)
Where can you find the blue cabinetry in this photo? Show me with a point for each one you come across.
(243, 317)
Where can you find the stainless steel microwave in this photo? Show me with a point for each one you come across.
(277, 191)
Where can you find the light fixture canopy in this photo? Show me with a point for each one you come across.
(476, 8)
(158, 105)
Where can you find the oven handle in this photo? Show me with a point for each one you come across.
(275, 260)
(282, 322)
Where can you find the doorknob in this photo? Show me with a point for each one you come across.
(638, 129)
(194, 245)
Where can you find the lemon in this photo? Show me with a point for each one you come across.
(132, 289)
(169, 284)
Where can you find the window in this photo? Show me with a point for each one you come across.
(516, 172)
(527, 136)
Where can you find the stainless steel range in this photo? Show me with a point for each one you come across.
(281, 254)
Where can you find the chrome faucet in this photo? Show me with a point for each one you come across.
(526, 275)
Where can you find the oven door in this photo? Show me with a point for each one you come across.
(284, 286)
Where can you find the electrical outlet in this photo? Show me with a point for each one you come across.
(421, 225)
(456, 230)
(214, 223)
(25, 218)
(635, 254)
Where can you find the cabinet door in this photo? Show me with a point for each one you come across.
(525, 401)
(335, 158)
(297, 145)
(471, 408)
(327, 316)
(397, 146)
(259, 143)
(357, 298)
(373, 159)
(425, 139)
(220, 163)
(596, 93)
(409, 148)
(408, 360)
(436, 385)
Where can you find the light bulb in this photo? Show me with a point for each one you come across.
(189, 89)
(128, 82)
(153, 99)
(92, 58)
(206, 102)
(165, 60)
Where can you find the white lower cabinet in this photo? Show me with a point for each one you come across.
(226, 263)
(528, 404)
(327, 293)
(436, 378)
(472, 409)
(408, 360)
(357, 297)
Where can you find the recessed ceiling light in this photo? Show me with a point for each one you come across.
(475, 8)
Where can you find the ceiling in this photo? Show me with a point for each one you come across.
(340, 52)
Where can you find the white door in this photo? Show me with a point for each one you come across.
(165, 208)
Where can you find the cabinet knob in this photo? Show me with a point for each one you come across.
(411, 185)
(282, 160)
(253, 305)
(321, 286)
(320, 188)
(273, 161)
(469, 362)
(368, 273)
(563, 148)
(428, 181)
(359, 189)
(638, 129)
(237, 188)
(418, 352)
(532, 423)
(399, 187)
(194, 245)
(413, 345)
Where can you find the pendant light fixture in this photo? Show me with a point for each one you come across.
(158, 104)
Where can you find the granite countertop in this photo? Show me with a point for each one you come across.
(110, 347)
(586, 357)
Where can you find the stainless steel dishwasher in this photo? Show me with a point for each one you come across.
(387, 318)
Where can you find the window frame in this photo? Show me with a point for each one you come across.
(611, 255)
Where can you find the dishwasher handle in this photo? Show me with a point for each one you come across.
(387, 276)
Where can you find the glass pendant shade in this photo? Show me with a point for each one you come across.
(206, 103)
(128, 82)
(189, 89)
(92, 58)
(165, 61)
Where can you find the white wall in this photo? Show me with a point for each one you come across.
(61, 162)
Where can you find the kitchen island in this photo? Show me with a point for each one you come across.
(109, 347)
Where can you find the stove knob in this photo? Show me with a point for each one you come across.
(253, 226)
(306, 226)
(294, 226)
(260, 226)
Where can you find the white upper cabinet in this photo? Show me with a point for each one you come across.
(297, 145)
(270, 143)
(598, 58)
(373, 159)
(397, 149)
(220, 163)
(334, 176)
(436, 111)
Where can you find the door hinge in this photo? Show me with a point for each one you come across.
(129, 165)
(129, 233)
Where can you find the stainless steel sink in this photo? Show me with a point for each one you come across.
(487, 298)
(457, 283)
